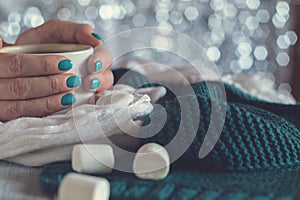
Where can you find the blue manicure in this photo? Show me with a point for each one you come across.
(68, 99)
(65, 65)
(95, 83)
(74, 81)
(98, 65)
(96, 35)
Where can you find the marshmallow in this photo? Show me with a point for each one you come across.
(78, 187)
(151, 162)
(93, 158)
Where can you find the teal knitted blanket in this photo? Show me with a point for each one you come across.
(190, 184)
(256, 157)
(257, 135)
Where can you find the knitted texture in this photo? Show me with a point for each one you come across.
(256, 157)
(252, 138)
(190, 184)
(256, 134)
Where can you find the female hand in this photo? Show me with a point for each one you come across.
(38, 85)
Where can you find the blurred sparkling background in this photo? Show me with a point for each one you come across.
(238, 35)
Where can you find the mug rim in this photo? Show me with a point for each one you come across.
(49, 48)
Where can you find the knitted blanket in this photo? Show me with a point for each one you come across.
(190, 184)
(256, 134)
(257, 155)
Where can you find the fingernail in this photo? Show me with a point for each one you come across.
(98, 65)
(96, 35)
(68, 99)
(65, 65)
(74, 81)
(95, 83)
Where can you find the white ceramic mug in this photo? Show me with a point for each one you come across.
(77, 53)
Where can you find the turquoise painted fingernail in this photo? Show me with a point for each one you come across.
(96, 35)
(65, 65)
(74, 81)
(95, 83)
(98, 65)
(68, 99)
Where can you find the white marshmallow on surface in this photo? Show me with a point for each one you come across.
(151, 162)
(93, 158)
(83, 187)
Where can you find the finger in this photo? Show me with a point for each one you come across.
(22, 65)
(98, 82)
(35, 107)
(36, 87)
(100, 61)
(97, 96)
(56, 31)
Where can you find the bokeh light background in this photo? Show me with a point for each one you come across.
(240, 36)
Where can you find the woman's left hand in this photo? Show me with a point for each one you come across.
(56, 31)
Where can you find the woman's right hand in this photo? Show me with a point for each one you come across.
(34, 85)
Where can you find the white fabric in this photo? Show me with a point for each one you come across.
(38, 141)
(260, 86)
